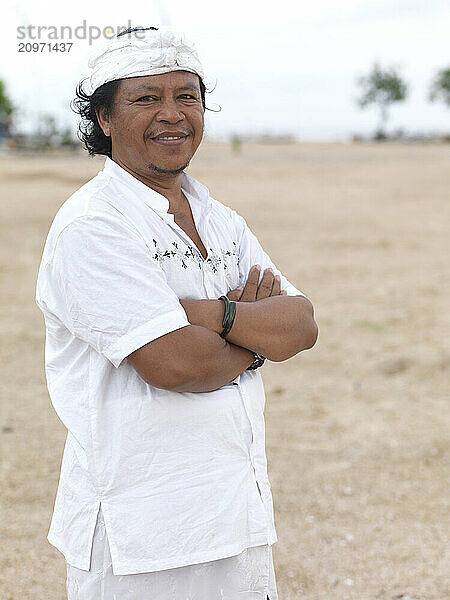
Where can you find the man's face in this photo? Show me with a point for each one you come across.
(156, 123)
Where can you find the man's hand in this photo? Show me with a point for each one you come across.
(270, 286)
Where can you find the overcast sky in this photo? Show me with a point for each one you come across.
(281, 67)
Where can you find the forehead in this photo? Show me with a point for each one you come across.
(165, 81)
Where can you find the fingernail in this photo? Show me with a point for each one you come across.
(258, 267)
(277, 277)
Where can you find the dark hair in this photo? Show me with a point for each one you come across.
(89, 130)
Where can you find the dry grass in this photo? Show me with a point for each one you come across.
(357, 428)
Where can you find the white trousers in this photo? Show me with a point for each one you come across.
(246, 576)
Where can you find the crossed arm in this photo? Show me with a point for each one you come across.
(196, 359)
(267, 322)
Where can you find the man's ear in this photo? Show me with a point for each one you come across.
(103, 120)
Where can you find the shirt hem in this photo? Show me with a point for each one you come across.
(126, 568)
(148, 566)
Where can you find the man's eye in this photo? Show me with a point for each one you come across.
(145, 98)
(188, 97)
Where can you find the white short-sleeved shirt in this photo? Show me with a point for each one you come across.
(181, 477)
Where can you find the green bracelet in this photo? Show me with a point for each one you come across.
(228, 316)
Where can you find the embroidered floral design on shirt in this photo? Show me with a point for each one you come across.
(182, 256)
(192, 254)
(226, 253)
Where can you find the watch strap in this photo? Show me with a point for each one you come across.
(258, 361)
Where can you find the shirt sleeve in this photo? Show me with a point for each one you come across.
(251, 253)
(108, 290)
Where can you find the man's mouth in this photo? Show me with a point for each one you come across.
(170, 139)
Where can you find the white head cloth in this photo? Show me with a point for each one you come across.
(142, 53)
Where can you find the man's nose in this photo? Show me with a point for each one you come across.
(169, 112)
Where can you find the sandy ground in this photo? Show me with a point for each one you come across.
(357, 427)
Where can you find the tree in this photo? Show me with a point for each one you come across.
(440, 87)
(6, 111)
(382, 87)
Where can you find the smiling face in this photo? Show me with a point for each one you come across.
(156, 123)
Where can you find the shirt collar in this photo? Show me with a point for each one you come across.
(190, 186)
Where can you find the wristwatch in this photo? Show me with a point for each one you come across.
(258, 361)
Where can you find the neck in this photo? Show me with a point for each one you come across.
(166, 184)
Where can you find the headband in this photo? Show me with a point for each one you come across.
(143, 52)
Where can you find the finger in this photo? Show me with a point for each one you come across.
(235, 295)
(276, 289)
(265, 287)
(251, 285)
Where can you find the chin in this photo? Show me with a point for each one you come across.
(168, 169)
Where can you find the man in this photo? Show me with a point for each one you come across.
(160, 305)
